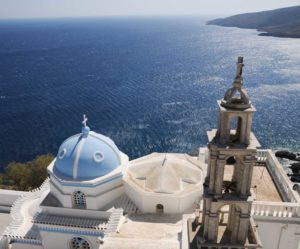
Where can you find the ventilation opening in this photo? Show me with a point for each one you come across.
(79, 199)
(79, 243)
(159, 209)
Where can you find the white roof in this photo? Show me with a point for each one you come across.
(165, 173)
(5, 219)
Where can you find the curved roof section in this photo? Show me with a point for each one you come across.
(86, 156)
(165, 173)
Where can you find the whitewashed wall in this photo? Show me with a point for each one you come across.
(277, 234)
(53, 240)
(7, 198)
(17, 245)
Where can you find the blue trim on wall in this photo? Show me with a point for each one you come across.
(72, 231)
(26, 241)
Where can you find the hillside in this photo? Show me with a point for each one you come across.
(283, 22)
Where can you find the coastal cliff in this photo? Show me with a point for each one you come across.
(283, 22)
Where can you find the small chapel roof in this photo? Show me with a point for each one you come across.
(165, 173)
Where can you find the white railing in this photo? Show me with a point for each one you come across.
(13, 230)
(261, 156)
(276, 209)
(27, 241)
(272, 209)
(220, 246)
(267, 208)
(126, 204)
(114, 221)
(279, 176)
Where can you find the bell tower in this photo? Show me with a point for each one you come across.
(236, 112)
(232, 155)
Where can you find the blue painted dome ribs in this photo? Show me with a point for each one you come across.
(96, 156)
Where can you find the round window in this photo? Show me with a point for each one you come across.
(79, 243)
(62, 153)
(98, 157)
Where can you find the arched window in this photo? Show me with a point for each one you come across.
(79, 243)
(229, 181)
(79, 200)
(230, 160)
(235, 129)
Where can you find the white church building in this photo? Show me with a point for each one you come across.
(231, 195)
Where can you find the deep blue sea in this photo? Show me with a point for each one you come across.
(151, 84)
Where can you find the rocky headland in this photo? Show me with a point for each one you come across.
(283, 22)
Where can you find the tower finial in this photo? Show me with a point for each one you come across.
(240, 66)
(238, 80)
(84, 120)
(85, 129)
(236, 97)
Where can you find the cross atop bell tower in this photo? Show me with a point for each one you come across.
(236, 110)
(237, 97)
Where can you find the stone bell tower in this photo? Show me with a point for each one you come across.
(232, 155)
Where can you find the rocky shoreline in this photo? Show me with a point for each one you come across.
(284, 23)
(294, 166)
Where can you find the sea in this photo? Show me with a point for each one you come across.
(149, 83)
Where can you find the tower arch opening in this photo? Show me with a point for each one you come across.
(229, 176)
(228, 222)
(235, 129)
(230, 160)
(159, 209)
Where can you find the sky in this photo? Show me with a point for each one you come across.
(11, 9)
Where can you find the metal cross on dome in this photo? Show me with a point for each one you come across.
(84, 120)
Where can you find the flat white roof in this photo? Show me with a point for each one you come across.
(5, 219)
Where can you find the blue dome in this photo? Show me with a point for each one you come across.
(86, 156)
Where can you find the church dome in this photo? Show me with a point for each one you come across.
(86, 156)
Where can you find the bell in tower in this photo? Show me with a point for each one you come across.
(232, 155)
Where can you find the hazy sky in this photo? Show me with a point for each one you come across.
(60, 8)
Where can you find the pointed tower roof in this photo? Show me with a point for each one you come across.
(236, 97)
